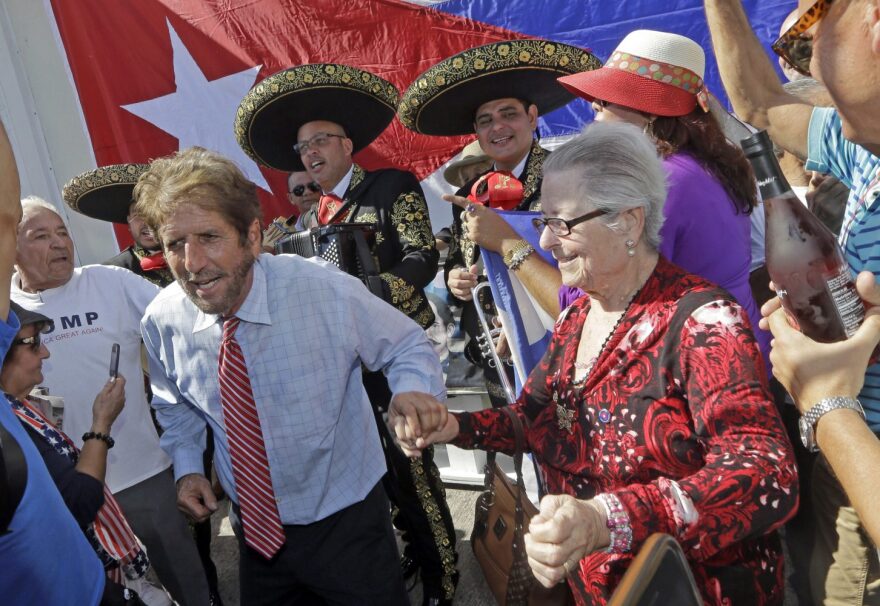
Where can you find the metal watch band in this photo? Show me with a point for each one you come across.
(826, 405)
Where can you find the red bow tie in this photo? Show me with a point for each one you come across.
(328, 206)
(497, 189)
(153, 262)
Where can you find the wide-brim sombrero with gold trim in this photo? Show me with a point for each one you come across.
(272, 113)
(104, 193)
(443, 100)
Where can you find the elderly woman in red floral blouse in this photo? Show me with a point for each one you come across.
(649, 411)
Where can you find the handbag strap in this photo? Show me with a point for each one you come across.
(520, 580)
(519, 447)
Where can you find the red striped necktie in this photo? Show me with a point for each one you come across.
(260, 521)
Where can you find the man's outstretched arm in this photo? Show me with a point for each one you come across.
(751, 81)
(10, 215)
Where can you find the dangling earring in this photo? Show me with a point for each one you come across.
(630, 248)
(649, 128)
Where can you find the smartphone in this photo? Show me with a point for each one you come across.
(114, 361)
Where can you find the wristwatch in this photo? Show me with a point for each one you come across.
(807, 422)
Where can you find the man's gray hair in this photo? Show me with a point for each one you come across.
(31, 204)
(617, 168)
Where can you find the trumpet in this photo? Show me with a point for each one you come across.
(487, 344)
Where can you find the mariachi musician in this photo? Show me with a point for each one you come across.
(105, 194)
(497, 91)
(314, 117)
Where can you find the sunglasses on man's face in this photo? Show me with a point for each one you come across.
(33, 342)
(795, 46)
(299, 190)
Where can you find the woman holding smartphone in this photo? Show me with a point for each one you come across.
(79, 474)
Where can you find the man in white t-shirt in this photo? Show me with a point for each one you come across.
(92, 308)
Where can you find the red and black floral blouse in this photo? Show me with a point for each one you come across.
(674, 423)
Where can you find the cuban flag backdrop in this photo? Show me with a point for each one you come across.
(155, 76)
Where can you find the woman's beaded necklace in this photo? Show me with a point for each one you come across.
(604, 414)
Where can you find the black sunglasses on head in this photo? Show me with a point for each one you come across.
(300, 189)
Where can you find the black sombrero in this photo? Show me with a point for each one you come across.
(272, 113)
(104, 193)
(442, 101)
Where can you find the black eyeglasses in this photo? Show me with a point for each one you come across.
(319, 140)
(562, 227)
(795, 46)
(300, 189)
(33, 342)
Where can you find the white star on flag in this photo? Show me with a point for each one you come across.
(200, 112)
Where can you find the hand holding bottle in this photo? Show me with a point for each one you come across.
(811, 371)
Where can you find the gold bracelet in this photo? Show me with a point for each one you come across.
(518, 254)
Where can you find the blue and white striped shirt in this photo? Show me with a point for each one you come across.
(305, 331)
(828, 152)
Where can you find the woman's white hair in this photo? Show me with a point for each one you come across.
(617, 168)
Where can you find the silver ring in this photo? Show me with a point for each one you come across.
(471, 208)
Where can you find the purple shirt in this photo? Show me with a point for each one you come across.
(704, 234)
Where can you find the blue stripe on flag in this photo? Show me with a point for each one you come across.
(527, 326)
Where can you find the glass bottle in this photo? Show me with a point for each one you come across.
(804, 260)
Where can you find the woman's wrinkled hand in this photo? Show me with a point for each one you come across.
(482, 225)
(108, 404)
(419, 420)
(561, 535)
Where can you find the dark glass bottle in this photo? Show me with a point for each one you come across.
(811, 276)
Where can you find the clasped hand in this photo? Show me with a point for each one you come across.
(565, 531)
(419, 420)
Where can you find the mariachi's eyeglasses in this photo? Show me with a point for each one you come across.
(33, 342)
(562, 227)
(318, 141)
(300, 189)
(795, 45)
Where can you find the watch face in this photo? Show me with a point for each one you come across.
(807, 436)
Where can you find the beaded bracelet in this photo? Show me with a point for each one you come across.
(104, 437)
(618, 523)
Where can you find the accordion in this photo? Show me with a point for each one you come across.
(345, 245)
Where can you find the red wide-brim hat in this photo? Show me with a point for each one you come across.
(653, 72)
(630, 90)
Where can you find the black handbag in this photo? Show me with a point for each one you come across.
(501, 520)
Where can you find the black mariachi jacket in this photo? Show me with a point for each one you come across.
(130, 259)
(404, 248)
